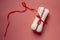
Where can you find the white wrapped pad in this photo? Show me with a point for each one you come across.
(34, 24)
(40, 26)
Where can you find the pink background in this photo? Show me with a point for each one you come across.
(20, 27)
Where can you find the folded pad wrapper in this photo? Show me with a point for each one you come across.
(41, 10)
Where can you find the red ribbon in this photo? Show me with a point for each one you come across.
(24, 5)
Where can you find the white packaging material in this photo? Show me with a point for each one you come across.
(40, 26)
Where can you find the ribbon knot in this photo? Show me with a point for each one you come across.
(40, 20)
